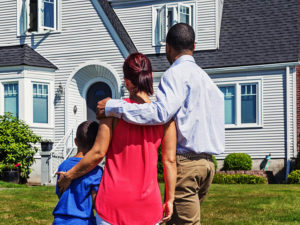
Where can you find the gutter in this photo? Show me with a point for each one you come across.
(288, 160)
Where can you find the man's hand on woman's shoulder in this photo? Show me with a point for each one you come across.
(101, 108)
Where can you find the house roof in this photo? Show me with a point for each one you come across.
(253, 32)
(22, 55)
(118, 26)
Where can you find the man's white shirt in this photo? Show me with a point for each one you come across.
(188, 95)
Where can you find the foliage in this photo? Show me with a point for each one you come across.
(215, 162)
(237, 161)
(238, 179)
(16, 141)
(294, 177)
(298, 162)
(160, 168)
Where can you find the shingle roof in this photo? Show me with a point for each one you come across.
(253, 32)
(22, 55)
(118, 26)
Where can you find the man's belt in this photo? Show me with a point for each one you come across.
(194, 156)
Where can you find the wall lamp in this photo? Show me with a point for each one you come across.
(59, 91)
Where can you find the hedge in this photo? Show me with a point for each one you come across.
(294, 177)
(238, 179)
(237, 161)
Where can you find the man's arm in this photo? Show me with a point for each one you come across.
(170, 97)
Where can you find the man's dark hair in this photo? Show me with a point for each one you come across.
(86, 134)
(181, 37)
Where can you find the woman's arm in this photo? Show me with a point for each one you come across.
(170, 171)
(92, 158)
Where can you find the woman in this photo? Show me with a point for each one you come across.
(129, 192)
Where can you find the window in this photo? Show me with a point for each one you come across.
(242, 102)
(11, 102)
(168, 15)
(38, 15)
(40, 103)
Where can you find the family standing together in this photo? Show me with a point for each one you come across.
(187, 119)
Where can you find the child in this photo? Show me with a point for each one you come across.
(75, 205)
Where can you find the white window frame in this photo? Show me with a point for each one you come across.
(2, 93)
(176, 16)
(48, 85)
(40, 28)
(50, 104)
(238, 114)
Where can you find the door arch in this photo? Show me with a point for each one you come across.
(96, 92)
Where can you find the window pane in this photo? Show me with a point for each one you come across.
(249, 103)
(170, 18)
(229, 102)
(40, 103)
(185, 14)
(49, 13)
(11, 99)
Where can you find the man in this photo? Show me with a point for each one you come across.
(188, 95)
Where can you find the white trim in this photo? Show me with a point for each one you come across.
(295, 110)
(110, 29)
(172, 5)
(237, 83)
(288, 144)
(75, 71)
(19, 68)
(213, 71)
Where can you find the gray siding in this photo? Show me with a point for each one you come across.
(137, 20)
(271, 138)
(83, 37)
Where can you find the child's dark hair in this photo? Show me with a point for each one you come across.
(137, 68)
(86, 134)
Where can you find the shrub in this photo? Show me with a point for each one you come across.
(294, 177)
(238, 179)
(215, 162)
(16, 141)
(160, 168)
(237, 161)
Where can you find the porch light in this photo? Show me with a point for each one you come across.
(59, 91)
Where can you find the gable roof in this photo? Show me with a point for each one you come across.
(253, 32)
(118, 26)
(22, 55)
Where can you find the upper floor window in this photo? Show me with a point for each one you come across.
(37, 15)
(40, 103)
(243, 104)
(164, 17)
(11, 99)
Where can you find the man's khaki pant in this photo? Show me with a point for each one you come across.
(194, 176)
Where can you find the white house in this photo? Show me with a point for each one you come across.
(58, 58)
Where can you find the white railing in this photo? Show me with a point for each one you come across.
(61, 151)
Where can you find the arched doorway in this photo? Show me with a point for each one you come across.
(95, 93)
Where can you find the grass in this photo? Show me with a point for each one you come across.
(225, 204)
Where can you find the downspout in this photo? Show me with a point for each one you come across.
(287, 81)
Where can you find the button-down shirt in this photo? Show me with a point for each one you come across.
(188, 95)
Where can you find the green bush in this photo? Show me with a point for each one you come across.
(160, 168)
(237, 161)
(215, 162)
(238, 179)
(294, 177)
(16, 141)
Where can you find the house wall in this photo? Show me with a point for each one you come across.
(137, 20)
(272, 136)
(83, 38)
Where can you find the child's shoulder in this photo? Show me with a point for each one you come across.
(68, 163)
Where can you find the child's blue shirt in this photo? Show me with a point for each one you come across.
(75, 205)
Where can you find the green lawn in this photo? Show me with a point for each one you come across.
(225, 204)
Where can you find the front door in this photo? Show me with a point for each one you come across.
(96, 92)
